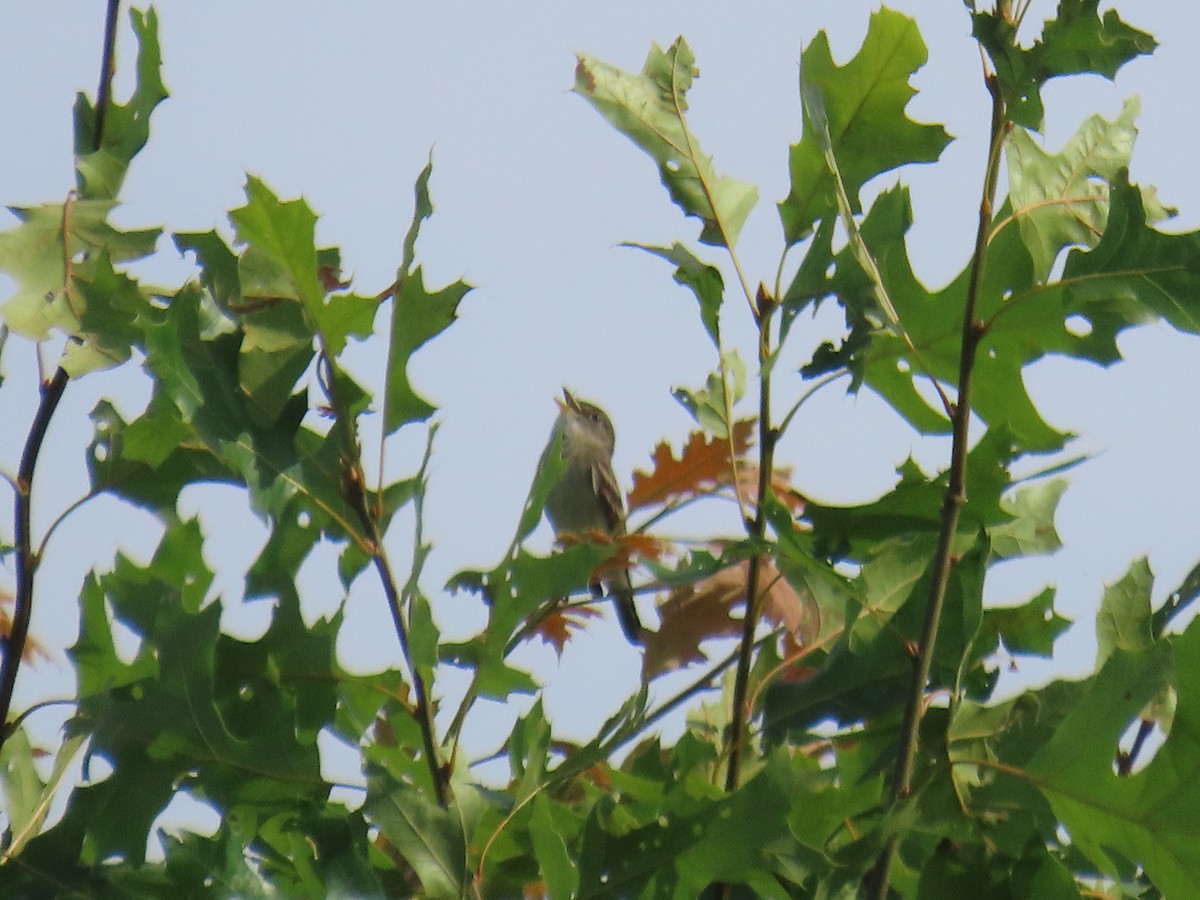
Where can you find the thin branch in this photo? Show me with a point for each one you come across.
(424, 711)
(108, 67)
(353, 483)
(972, 333)
(26, 557)
(767, 437)
(825, 380)
(51, 395)
(755, 309)
(1177, 601)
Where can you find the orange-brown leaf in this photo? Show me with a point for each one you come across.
(557, 628)
(35, 651)
(704, 464)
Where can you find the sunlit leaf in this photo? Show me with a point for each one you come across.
(863, 99)
(703, 465)
(650, 109)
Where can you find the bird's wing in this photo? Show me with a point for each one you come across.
(608, 492)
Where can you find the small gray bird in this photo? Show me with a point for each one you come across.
(588, 498)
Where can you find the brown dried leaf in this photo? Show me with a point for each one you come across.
(331, 279)
(781, 484)
(793, 654)
(782, 605)
(697, 612)
(703, 465)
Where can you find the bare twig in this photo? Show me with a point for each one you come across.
(956, 494)
(51, 395)
(354, 492)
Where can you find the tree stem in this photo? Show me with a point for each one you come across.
(956, 494)
(52, 393)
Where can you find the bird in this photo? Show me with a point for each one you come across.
(588, 498)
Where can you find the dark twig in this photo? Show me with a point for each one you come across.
(767, 437)
(956, 493)
(353, 484)
(1126, 761)
(1178, 600)
(51, 394)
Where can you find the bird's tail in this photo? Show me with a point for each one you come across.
(621, 591)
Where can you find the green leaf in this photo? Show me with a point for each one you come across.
(417, 317)
(913, 506)
(100, 173)
(1062, 199)
(282, 232)
(536, 579)
(1149, 816)
(550, 470)
(865, 673)
(708, 405)
(650, 109)
(218, 267)
(1010, 302)
(1076, 41)
(422, 210)
(1135, 271)
(34, 254)
(111, 310)
(703, 280)
(1031, 531)
(277, 346)
(736, 841)
(1031, 628)
(529, 751)
(557, 867)
(690, 841)
(233, 720)
(864, 99)
(23, 786)
(1124, 621)
(831, 591)
(429, 838)
(150, 460)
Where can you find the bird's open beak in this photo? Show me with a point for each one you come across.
(568, 402)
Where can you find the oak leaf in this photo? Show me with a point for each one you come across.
(704, 610)
(560, 625)
(781, 486)
(704, 465)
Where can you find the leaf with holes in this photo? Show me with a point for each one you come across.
(650, 109)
